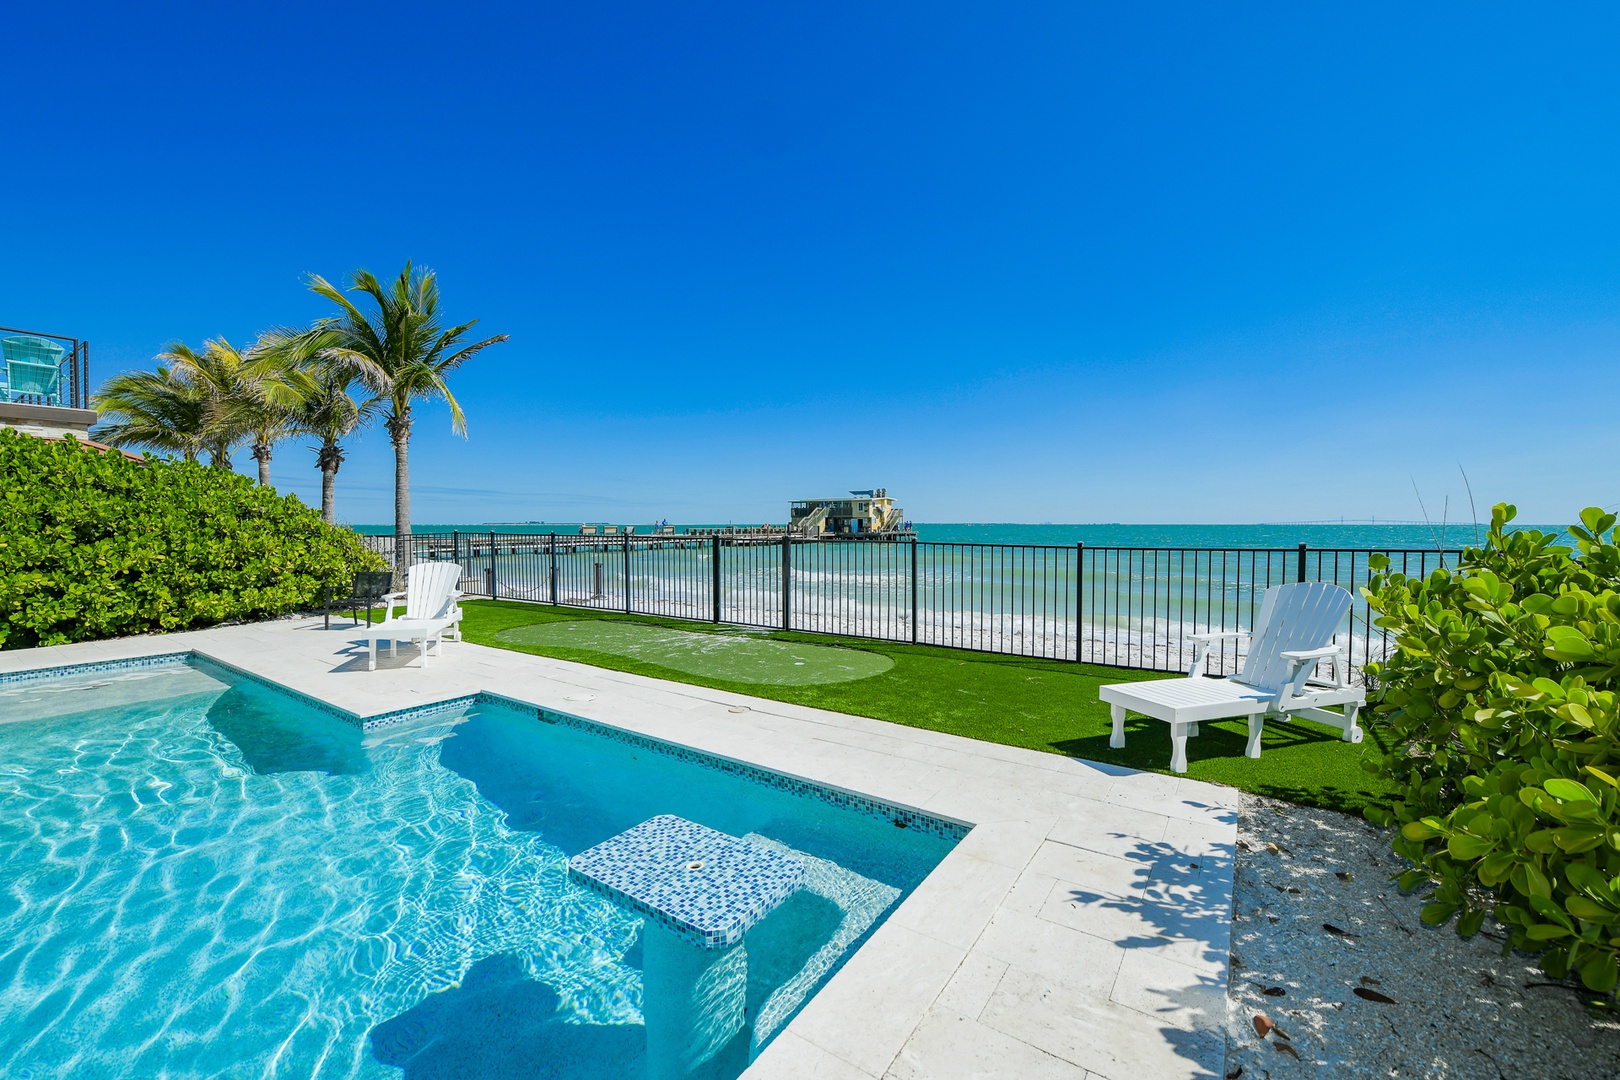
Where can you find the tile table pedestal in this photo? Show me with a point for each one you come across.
(699, 891)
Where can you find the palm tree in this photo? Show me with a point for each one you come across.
(251, 397)
(403, 354)
(331, 415)
(212, 376)
(153, 410)
(328, 411)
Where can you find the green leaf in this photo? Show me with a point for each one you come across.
(1437, 913)
(1411, 880)
(1465, 846)
(1494, 869)
(1582, 908)
(1587, 879)
(1576, 839)
(1568, 644)
(1597, 521)
(1603, 776)
(1531, 881)
(1419, 830)
(1600, 972)
(1568, 790)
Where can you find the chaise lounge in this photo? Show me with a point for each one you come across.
(1293, 633)
(431, 612)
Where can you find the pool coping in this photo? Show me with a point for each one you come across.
(1081, 927)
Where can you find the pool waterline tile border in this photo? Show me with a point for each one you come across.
(364, 723)
(90, 667)
(901, 816)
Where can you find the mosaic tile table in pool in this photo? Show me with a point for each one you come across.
(703, 885)
(699, 891)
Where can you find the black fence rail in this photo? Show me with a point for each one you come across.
(1129, 607)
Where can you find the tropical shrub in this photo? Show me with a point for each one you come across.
(1500, 700)
(95, 545)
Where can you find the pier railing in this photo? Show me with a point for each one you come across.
(1132, 607)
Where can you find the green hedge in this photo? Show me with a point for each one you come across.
(94, 545)
(1501, 702)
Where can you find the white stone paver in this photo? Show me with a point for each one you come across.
(1080, 929)
(949, 1046)
(1099, 1035)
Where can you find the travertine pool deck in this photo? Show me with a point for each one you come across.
(1081, 929)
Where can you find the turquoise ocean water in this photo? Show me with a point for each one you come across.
(1399, 535)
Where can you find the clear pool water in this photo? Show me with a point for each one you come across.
(201, 876)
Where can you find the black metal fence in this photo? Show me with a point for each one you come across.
(1132, 607)
(72, 382)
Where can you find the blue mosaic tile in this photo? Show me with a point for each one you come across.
(210, 666)
(707, 887)
(90, 668)
(364, 723)
(417, 712)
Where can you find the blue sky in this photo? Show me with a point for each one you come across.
(1031, 262)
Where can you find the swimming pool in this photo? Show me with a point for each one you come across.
(201, 875)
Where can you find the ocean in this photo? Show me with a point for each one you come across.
(1318, 535)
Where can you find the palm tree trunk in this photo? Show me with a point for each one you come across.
(261, 454)
(329, 494)
(328, 460)
(399, 430)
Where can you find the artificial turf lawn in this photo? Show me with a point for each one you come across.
(1048, 705)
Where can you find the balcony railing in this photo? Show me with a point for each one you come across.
(44, 369)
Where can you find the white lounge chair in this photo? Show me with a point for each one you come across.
(1293, 632)
(432, 611)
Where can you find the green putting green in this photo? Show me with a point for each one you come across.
(735, 657)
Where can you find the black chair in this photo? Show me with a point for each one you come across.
(370, 586)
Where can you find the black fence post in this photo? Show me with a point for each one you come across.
(455, 546)
(913, 590)
(626, 540)
(492, 584)
(1079, 598)
(787, 581)
(551, 548)
(1301, 562)
(714, 567)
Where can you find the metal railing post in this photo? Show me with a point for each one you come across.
(913, 590)
(787, 581)
(626, 539)
(1079, 597)
(1301, 563)
(552, 549)
(455, 545)
(494, 588)
(714, 560)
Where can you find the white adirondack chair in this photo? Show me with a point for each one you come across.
(1294, 631)
(432, 611)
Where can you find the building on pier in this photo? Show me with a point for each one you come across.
(868, 512)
